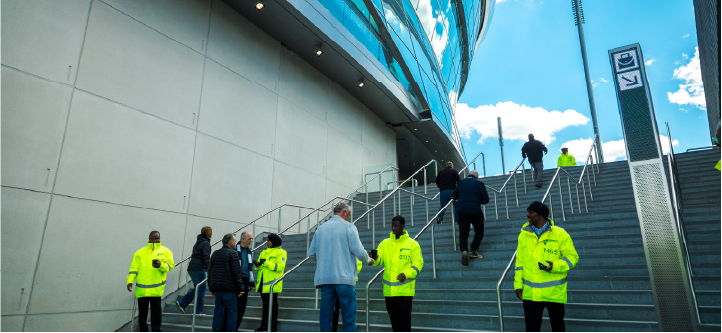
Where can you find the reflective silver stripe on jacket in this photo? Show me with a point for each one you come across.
(520, 268)
(545, 284)
(396, 284)
(275, 268)
(133, 272)
(269, 282)
(569, 262)
(149, 285)
(416, 269)
(169, 267)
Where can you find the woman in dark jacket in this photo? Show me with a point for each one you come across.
(197, 270)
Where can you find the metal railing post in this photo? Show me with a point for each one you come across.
(496, 209)
(589, 182)
(270, 307)
(315, 304)
(506, 202)
(523, 174)
(453, 225)
(433, 249)
(427, 209)
(299, 217)
(394, 180)
(132, 314)
(498, 292)
(561, 199)
(569, 189)
(516, 192)
(551, 201)
(279, 222)
(195, 304)
(413, 189)
(373, 228)
(383, 205)
(584, 191)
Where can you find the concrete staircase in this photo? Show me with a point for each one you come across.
(609, 290)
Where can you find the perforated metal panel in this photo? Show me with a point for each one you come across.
(661, 241)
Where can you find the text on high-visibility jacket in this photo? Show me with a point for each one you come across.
(150, 281)
(271, 269)
(566, 160)
(553, 245)
(398, 256)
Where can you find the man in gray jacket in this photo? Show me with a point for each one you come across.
(335, 247)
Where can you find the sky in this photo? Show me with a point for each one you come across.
(529, 71)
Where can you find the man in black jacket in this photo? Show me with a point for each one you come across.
(197, 271)
(471, 194)
(446, 182)
(533, 151)
(225, 283)
(245, 259)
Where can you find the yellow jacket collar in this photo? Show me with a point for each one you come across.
(154, 246)
(527, 226)
(404, 236)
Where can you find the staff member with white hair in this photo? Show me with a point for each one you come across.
(471, 194)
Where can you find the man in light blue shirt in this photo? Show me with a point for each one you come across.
(335, 247)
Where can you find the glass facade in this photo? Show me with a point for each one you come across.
(429, 39)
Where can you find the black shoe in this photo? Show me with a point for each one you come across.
(438, 220)
(474, 255)
(262, 329)
(464, 258)
(537, 186)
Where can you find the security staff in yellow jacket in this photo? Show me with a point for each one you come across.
(271, 263)
(544, 255)
(149, 268)
(565, 159)
(402, 259)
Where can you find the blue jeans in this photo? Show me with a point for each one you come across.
(346, 296)
(226, 303)
(196, 276)
(444, 198)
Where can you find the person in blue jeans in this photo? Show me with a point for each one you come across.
(226, 284)
(335, 247)
(446, 181)
(197, 270)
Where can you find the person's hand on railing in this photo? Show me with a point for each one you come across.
(519, 293)
(130, 287)
(401, 277)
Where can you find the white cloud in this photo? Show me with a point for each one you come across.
(594, 84)
(603, 80)
(685, 36)
(650, 61)
(685, 55)
(500, 1)
(692, 90)
(613, 150)
(517, 121)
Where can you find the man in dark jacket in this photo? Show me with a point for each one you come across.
(225, 283)
(446, 182)
(532, 150)
(245, 259)
(197, 271)
(471, 194)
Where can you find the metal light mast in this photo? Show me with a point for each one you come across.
(578, 21)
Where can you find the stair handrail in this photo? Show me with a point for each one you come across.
(382, 201)
(593, 147)
(677, 205)
(503, 189)
(195, 302)
(429, 223)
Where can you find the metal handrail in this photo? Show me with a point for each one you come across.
(677, 205)
(546, 194)
(433, 255)
(195, 303)
(503, 188)
(699, 148)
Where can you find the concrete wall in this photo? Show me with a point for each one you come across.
(124, 116)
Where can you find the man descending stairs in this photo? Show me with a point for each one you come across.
(609, 290)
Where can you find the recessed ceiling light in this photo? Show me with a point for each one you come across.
(414, 129)
(427, 140)
(319, 53)
(361, 84)
(260, 5)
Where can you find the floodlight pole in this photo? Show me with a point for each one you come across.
(501, 145)
(578, 20)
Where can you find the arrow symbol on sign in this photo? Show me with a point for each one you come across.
(630, 82)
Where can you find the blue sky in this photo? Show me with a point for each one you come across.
(529, 71)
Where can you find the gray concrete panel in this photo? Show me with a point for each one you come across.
(345, 112)
(88, 248)
(344, 159)
(229, 183)
(183, 20)
(23, 219)
(334, 189)
(95, 321)
(377, 136)
(119, 155)
(300, 138)
(243, 47)
(295, 186)
(125, 61)
(34, 112)
(44, 37)
(13, 323)
(237, 110)
(303, 85)
(371, 159)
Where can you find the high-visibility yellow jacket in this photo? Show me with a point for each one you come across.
(566, 160)
(359, 265)
(553, 245)
(718, 166)
(150, 281)
(271, 269)
(398, 256)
